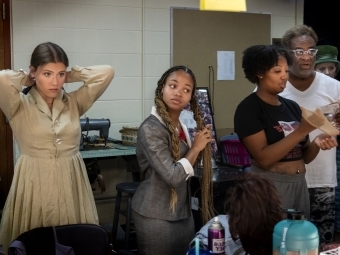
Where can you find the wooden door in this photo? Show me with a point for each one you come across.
(6, 137)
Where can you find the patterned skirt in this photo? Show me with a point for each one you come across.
(337, 189)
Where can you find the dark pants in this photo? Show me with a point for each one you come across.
(337, 189)
(322, 211)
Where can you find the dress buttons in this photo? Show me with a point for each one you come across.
(57, 123)
(58, 140)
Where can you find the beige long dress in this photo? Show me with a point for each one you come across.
(50, 185)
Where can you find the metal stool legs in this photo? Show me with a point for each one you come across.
(116, 216)
(128, 216)
(128, 222)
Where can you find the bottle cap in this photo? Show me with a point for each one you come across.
(295, 215)
(216, 224)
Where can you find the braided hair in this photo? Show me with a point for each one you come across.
(46, 53)
(205, 154)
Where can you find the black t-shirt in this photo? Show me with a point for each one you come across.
(253, 115)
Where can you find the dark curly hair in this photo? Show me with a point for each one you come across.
(297, 31)
(254, 211)
(258, 59)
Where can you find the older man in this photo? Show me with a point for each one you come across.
(312, 90)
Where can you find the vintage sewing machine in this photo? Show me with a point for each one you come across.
(102, 125)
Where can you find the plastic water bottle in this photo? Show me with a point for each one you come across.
(200, 251)
(216, 237)
(197, 250)
(295, 236)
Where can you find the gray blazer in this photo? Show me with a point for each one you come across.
(152, 199)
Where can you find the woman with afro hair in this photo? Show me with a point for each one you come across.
(261, 119)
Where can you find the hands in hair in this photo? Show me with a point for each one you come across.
(202, 138)
(30, 77)
(68, 78)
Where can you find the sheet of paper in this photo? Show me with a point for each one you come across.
(225, 65)
(223, 5)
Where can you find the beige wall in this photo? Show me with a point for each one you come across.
(131, 35)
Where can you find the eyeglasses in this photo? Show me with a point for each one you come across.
(310, 52)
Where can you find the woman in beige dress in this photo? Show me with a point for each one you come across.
(50, 186)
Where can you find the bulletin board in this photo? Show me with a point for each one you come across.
(196, 36)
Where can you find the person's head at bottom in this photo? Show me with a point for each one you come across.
(254, 211)
(326, 60)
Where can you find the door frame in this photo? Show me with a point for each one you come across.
(6, 135)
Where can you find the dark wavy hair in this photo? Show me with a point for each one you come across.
(254, 210)
(45, 53)
(258, 59)
(298, 30)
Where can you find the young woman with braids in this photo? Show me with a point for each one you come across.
(161, 206)
(50, 185)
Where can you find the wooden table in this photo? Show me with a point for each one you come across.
(128, 153)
